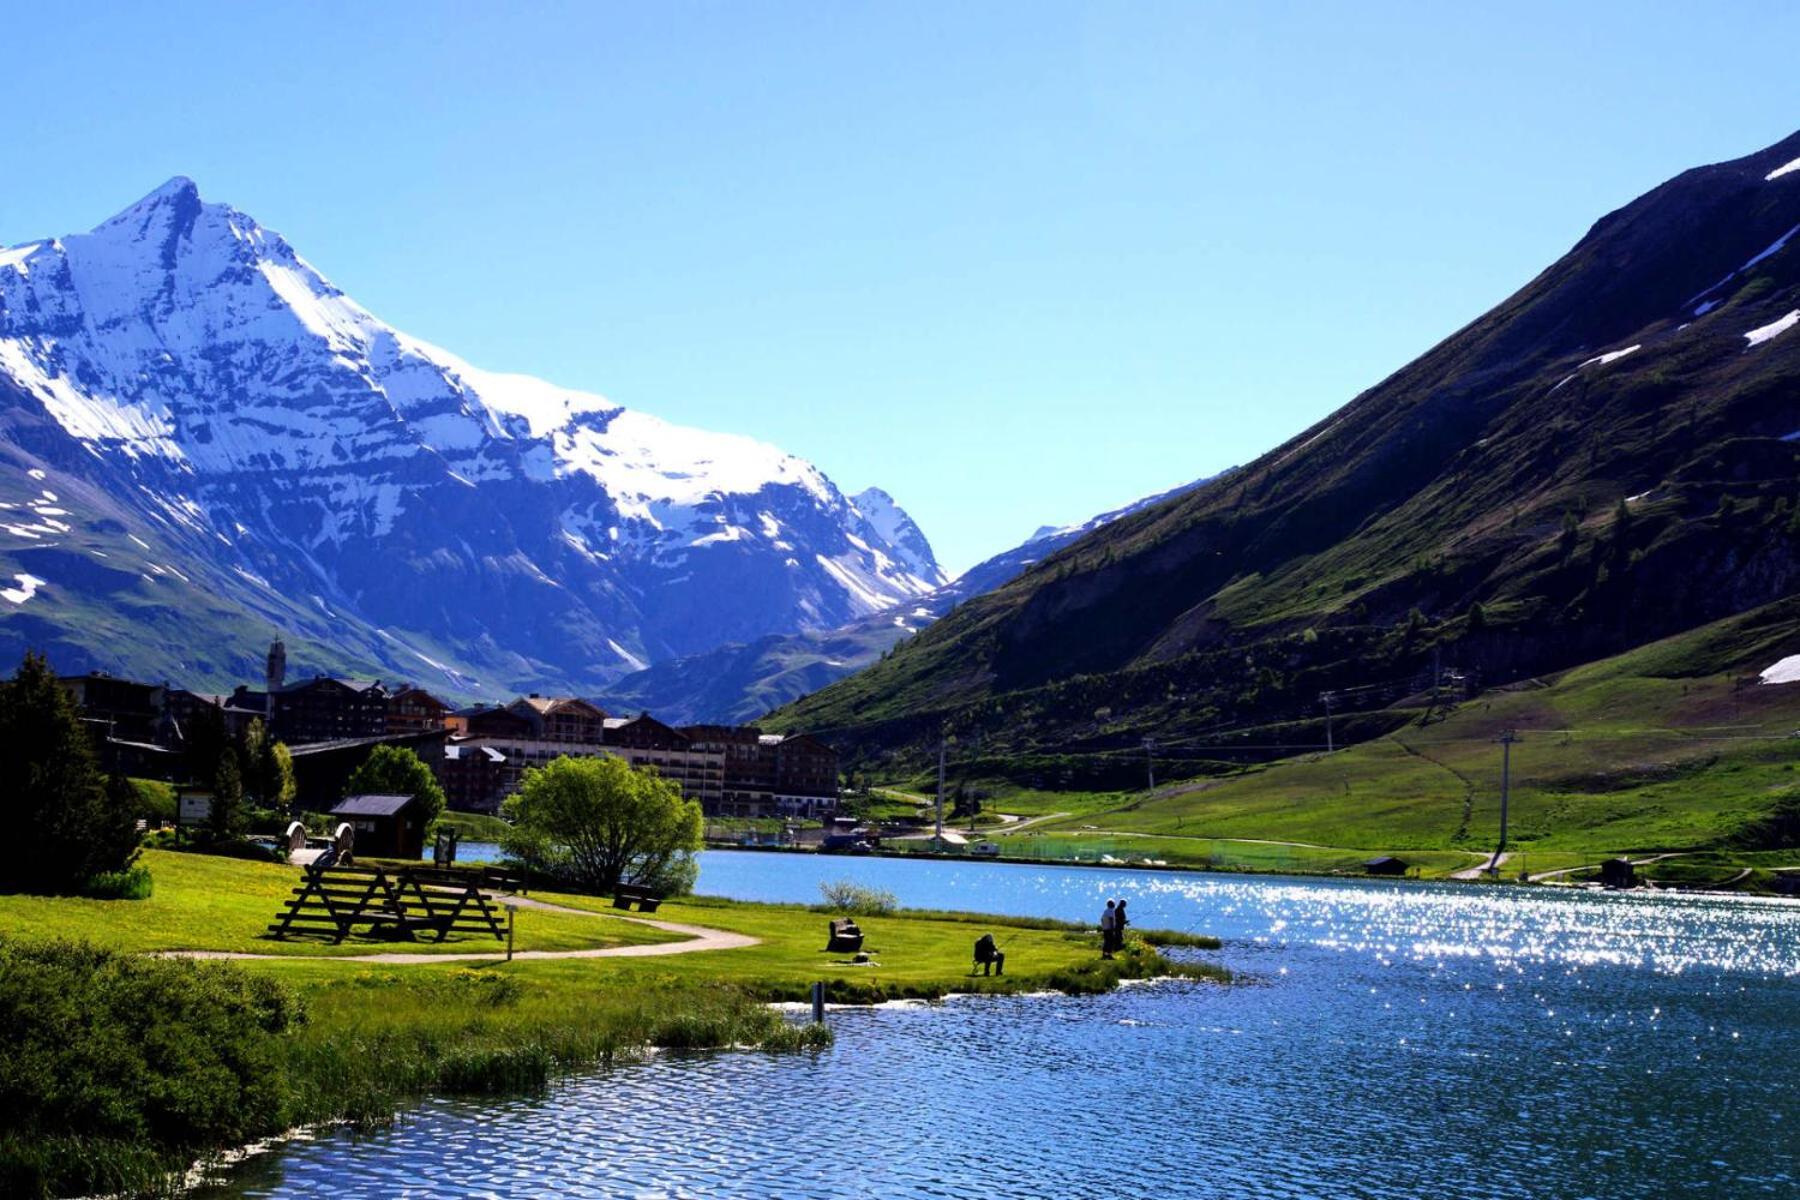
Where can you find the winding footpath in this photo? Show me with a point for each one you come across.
(699, 938)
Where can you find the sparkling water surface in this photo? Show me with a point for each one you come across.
(1395, 1040)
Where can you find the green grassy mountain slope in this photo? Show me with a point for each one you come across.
(1603, 460)
(1673, 746)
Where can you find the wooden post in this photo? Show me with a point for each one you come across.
(818, 1002)
(511, 912)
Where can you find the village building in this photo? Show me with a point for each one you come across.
(566, 719)
(806, 775)
(321, 709)
(475, 776)
(117, 708)
(748, 785)
(415, 710)
(494, 746)
(697, 766)
(768, 774)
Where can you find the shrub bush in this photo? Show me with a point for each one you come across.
(111, 1061)
(848, 896)
(134, 883)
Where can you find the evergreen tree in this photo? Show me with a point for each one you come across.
(61, 826)
(203, 741)
(227, 820)
(1571, 534)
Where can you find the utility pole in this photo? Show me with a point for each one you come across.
(1507, 738)
(1437, 678)
(940, 792)
(1150, 761)
(1328, 697)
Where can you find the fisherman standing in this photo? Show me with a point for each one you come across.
(1109, 925)
(1119, 923)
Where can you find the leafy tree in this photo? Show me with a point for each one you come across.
(1477, 617)
(268, 767)
(597, 821)
(63, 823)
(397, 771)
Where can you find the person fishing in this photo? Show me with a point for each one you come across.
(1109, 924)
(989, 956)
(1119, 923)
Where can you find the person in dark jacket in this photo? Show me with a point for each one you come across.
(1119, 923)
(989, 956)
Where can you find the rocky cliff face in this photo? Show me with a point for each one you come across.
(218, 411)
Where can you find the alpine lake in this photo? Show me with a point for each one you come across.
(1385, 1039)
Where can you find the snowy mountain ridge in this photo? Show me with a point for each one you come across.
(210, 374)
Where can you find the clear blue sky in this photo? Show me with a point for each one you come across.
(1017, 263)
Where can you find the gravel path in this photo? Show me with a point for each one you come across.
(699, 938)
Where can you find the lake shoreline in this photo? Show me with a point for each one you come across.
(1250, 872)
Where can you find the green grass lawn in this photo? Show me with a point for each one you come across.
(206, 902)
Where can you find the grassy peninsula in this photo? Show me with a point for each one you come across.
(317, 1033)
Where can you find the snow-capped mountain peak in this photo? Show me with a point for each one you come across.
(890, 523)
(231, 386)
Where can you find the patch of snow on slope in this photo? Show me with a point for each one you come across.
(1610, 356)
(1778, 172)
(1785, 671)
(1702, 309)
(91, 416)
(28, 586)
(636, 663)
(871, 601)
(1763, 333)
(16, 257)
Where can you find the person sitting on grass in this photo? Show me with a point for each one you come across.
(988, 955)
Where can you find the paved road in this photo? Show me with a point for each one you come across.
(1636, 862)
(1493, 862)
(699, 938)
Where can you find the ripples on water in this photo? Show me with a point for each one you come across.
(1399, 1040)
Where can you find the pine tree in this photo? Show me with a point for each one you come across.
(227, 820)
(61, 827)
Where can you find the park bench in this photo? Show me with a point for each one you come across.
(627, 894)
(846, 937)
(400, 902)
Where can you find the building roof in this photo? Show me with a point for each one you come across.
(454, 751)
(371, 805)
(410, 692)
(424, 737)
(546, 705)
